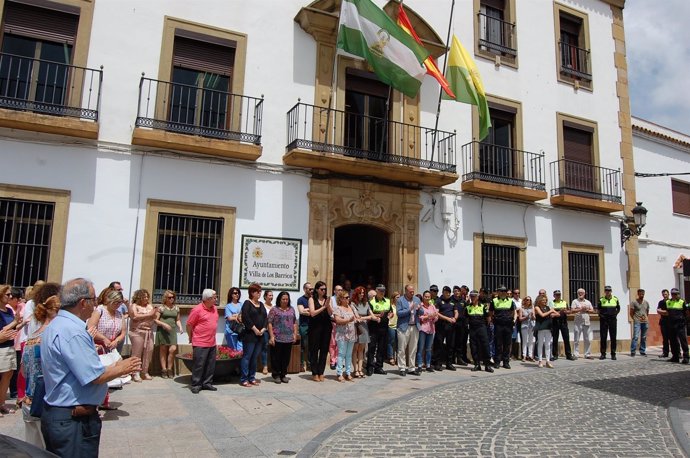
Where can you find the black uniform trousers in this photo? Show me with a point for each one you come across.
(461, 335)
(677, 334)
(378, 336)
(663, 324)
(444, 344)
(560, 326)
(503, 341)
(479, 344)
(607, 326)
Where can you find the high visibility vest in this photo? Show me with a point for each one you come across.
(503, 304)
(475, 310)
(380, 306)
(613, 302)
(675, 305)
(559, 305)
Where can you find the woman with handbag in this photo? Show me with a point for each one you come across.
(45, 309)
(544, 314)
(233, 320)
(364, 314)
(345, 335)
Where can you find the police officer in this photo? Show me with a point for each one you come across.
(559, 325)
(503, 315)
(444, 338)
(477, 315)
(459, 298)
(378, 331)
(608, 309)
(676, 310)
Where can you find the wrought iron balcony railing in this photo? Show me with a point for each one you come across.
(585, 180)
(366, 137)
(51, 88)
(502, 165)
(497, 35)
(194, 110)
(575, 61)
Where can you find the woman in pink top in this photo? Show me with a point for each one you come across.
(141, 331)
(427, 329)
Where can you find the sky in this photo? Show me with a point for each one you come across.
(658, 49)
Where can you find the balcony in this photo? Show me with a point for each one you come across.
(575, 62)
(357, 145)
(499, 171)
(585, 186)
(497, 36)
(200, 120)
(43, 96)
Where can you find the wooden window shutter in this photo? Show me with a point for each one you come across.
(40, 23)
(365, 83)
(496, 4)
(577, 145)
(680, 192)
(203, 56)
(570, 24)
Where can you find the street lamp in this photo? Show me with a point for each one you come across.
(632, 226)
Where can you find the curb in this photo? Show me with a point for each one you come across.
(679, 418)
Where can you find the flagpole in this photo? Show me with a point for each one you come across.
(440, 92)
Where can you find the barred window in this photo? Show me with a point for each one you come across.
(25, 234)
(583, 272)
(188, 256)
(500, 266)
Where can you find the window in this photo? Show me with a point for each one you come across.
(498, 261)
(577, 152)
(583, 267)
(497, 150)
(188, 256)
(680, 192)
(572, 38)
(187, 248)
(33, 225)
(366, 120)
(495, 30)
(42, 57)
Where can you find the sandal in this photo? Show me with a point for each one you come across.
(246, 384)
(255, 382)
(147, 377)
(340, 378)
(5, 411)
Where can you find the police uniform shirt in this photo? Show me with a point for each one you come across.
(476, 314)
(503, 310)
(460, 305)
(446, 307)
(560, 306)
(609, 307)
(676, 309)
(384, 305)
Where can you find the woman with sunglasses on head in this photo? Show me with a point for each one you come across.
(233, 315)
(320, 329)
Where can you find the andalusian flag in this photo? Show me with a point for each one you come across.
(463, 77)
(366, 31)
(429, 63)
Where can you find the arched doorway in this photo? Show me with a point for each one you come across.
(360, 254)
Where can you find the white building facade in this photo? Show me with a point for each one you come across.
(142, 140)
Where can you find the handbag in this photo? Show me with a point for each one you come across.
(238, 328)
(36, 409)
(360, 328)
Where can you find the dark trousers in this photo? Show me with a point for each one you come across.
(665, 341)
(204, 359)
(444, 344)
(377, 346)
(503, 341)
(69, 436)
(462, 332)
(560, 326)
(607, 326)
(280, 359)
(677, 334)
(319, 340)
(479, 344)
(13, 380)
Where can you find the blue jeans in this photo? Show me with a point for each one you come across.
(637, 328)
(392, 343)
(344, 357)
(424, 345)
(264, 350)
(233, 341)
(248, 365)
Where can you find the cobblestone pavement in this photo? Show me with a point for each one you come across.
(617, 409)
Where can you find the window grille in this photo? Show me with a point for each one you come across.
(500, 266)
(25, 234)
(583, 272)
(188, 256)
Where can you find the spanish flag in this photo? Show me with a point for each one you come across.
(464, 78)
(429, 63)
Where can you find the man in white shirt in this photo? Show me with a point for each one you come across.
(581, 308)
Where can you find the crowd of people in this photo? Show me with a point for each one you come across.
(55, 333)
